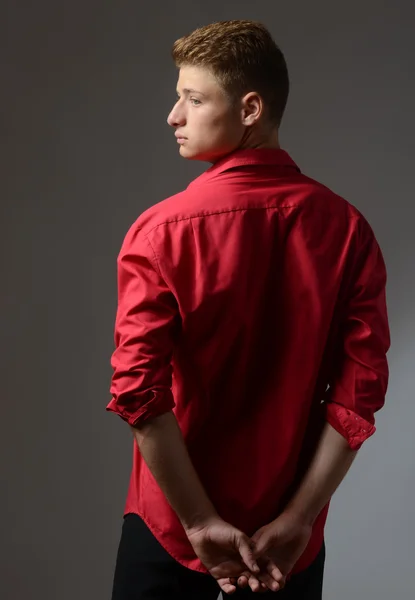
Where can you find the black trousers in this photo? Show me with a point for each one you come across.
(145, 571)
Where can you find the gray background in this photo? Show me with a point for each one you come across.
(86, 89)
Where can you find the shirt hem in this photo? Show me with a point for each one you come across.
(159, 535)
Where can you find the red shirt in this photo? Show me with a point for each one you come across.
(253, 305)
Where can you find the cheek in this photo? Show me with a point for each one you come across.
(219, 128)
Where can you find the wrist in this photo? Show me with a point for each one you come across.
(301, 516)
(200, 521)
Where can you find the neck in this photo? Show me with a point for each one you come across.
(259, 139)
(251, 141)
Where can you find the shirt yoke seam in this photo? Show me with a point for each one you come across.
(226, 211)
(218, 212)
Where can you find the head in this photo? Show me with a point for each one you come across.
(232, 90)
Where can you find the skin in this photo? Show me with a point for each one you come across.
(211, 125)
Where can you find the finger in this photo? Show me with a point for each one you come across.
(256, 585)
(271, 574)
(226, 586)
(247, 555)
(274, 572)
(268, 582)
(243, 582)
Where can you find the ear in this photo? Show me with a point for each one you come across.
(252, 108)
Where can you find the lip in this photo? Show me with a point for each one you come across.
(180, 138)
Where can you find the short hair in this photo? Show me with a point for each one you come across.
(243, 57)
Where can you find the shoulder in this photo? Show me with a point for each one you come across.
(174, 209)
(324, 198)
(168, 210)
(180, 208)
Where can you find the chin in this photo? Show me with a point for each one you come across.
(204, 156)
(187, 153)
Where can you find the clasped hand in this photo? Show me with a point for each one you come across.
(262, 561)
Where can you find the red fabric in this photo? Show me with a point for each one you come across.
(253, 305)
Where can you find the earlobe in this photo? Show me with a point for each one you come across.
(251, 118)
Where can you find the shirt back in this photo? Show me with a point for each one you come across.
(253, 305)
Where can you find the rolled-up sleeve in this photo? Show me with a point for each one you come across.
(147, 317)
(360, 380)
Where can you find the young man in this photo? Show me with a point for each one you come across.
(251, 340)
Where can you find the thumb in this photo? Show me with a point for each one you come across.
(244, 546)
(261, 541)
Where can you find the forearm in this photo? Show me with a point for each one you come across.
(163, 449)
(332, 460)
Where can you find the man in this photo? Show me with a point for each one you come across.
(251, 339)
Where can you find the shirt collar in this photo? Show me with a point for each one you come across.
(250, 156)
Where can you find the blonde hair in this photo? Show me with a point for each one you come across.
(243, 57)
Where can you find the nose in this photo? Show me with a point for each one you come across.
(176, 117)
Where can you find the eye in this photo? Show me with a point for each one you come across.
(195, 101)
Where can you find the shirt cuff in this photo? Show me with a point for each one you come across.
(349, 424)
(136, 412)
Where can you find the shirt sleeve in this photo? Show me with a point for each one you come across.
(360, 380)
(146, 317)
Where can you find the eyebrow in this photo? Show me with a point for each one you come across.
(190, 91)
